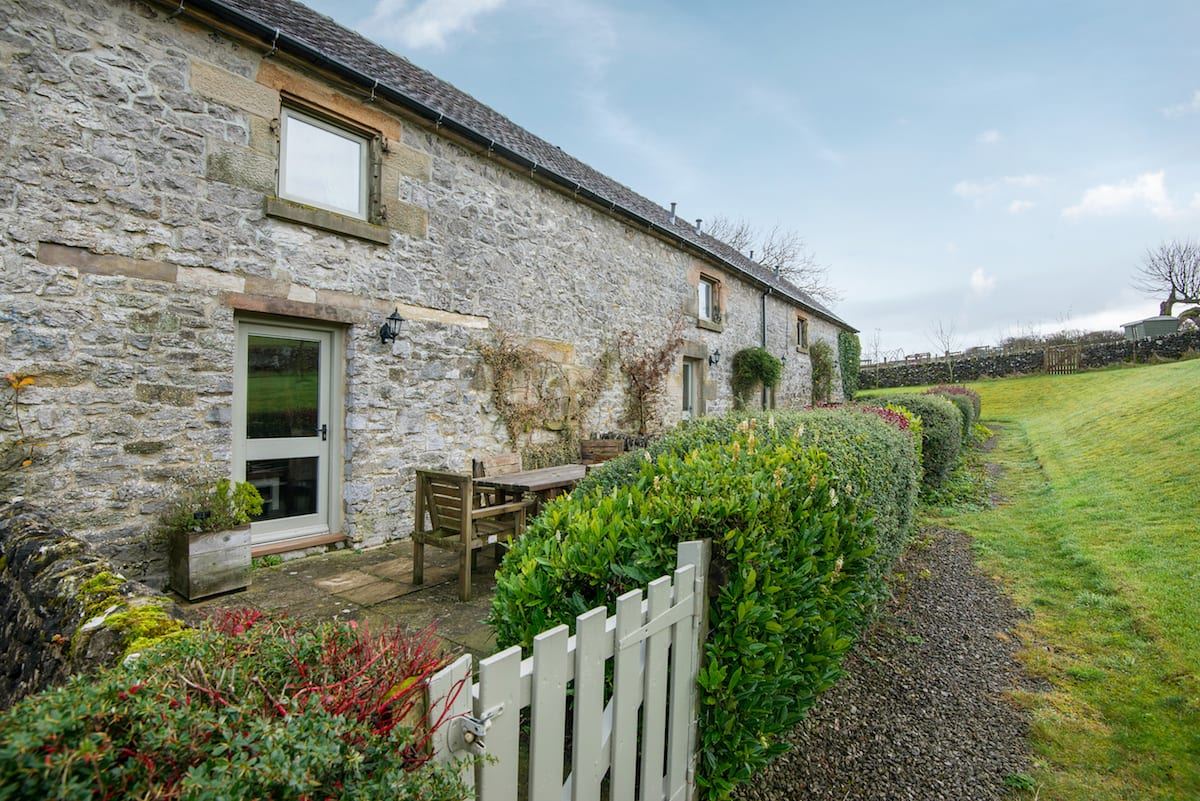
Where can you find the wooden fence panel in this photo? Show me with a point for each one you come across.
(655, 647)
(548, 714)
(654, 707)
(627, 695)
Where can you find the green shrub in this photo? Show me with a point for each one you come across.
(966, 413)
(961, 391)
(849, 356)
(218, 506)
(941, 432)
(805, 510)
(820, 355)
(248, 709)
(753, 367)
(875, 459)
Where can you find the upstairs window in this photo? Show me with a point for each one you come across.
(802, 333)
(323, 165)
(706, 300)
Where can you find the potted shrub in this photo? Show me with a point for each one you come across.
(207, 531)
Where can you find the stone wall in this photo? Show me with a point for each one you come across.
(139, 225)
(46, 631)
(904, 374)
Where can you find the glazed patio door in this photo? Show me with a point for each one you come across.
(282, 400)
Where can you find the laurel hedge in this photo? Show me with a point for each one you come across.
(942, 427)
(805, 510)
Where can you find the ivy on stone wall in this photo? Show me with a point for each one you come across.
(820, 354)
(532, 392)
(849, 355)
(750, 368)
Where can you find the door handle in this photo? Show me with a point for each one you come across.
(323, 431)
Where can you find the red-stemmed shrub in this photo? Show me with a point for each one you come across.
(246, 706)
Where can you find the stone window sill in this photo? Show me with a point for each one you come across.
(331, 221)
(709, 325)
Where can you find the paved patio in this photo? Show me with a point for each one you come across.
(375, 587)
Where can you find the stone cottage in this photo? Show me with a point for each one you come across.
(210, 209)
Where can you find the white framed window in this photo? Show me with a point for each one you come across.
(706, 299)
(323, 165)
(691, 388)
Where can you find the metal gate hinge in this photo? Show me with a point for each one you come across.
(468, 733)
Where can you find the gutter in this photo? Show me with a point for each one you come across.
(277, 40)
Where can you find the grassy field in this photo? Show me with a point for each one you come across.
(1098, 534)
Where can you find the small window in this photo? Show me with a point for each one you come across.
(323, 165)
(802, 333)
(706, 300)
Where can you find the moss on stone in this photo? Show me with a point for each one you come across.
(144, 626)
(140, 624)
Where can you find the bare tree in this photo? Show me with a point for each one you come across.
(944, 337)
(778, 248)
(1172, 268)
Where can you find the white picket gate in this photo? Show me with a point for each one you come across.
(654, 643)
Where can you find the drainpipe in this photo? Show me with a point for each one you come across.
(763, 301)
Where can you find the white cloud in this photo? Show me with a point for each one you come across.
(981, 282)
(426, 24)
(1019, 206)
(978, 191)
(972, 189)
(1027, 181)
(989, 137)
(1183, 109)
(1148, 191)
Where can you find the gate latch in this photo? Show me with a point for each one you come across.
(468, 733)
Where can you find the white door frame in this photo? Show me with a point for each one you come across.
(329, 516)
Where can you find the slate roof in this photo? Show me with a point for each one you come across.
(397, 73)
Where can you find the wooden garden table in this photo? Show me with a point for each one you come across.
(545, 482)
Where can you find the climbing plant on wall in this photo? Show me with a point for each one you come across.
(821, 356)
(849, 355)
(645, 368)
(532, 392)
(753, 367)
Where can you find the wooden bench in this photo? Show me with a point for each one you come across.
(457, 523)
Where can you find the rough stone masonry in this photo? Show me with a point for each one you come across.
(137, 180)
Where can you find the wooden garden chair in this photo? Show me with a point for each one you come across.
(494, 464)
(598, 451)
(457, 524)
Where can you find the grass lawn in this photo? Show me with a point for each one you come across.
(1098, 534)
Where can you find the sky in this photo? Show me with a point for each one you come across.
(998, 167)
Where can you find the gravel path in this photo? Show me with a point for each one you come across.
(921, 713)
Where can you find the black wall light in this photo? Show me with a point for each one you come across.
(391, 327)
(714, 357)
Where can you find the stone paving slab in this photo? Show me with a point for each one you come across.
(375, 588)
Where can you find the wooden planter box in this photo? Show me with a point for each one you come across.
(206, 564)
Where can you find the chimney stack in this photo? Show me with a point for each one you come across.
(672, 212)
(698, 221)
(752, 255)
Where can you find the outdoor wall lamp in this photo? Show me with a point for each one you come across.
(714, 357)
(391, 327)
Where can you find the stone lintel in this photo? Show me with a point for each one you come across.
(272, 77)
(86, 261)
